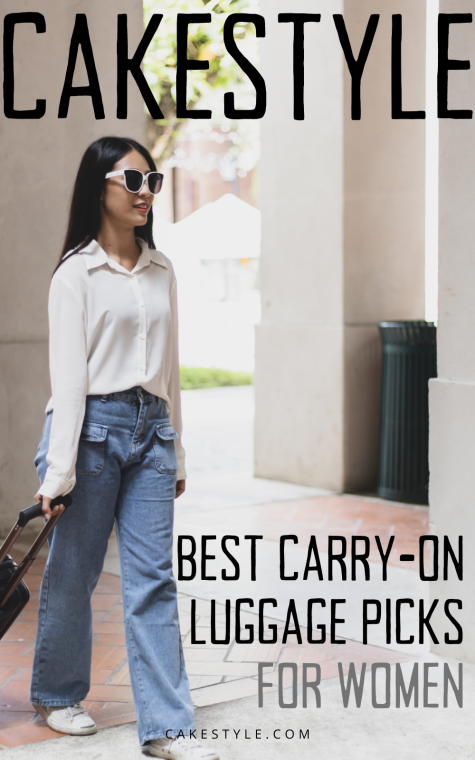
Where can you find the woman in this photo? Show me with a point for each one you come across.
(112, 437)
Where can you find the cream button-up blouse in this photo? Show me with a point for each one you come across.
(110, 330)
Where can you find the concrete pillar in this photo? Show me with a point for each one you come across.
(452, 394)
(343, 242)
(39, 160)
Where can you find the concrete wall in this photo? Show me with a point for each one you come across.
(452, 395)
(39, 160)
(299, 344)
(343, 242)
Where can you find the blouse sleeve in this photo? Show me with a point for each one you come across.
(68, 372)
(174, 389)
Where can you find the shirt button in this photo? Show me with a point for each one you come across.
(142, 337)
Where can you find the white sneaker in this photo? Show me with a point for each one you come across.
(72, 719)
(181, 748)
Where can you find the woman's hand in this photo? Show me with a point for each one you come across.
(180, 487)
(46, 502)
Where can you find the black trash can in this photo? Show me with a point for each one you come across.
(409, 361)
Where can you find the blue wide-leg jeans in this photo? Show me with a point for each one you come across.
(125, 472)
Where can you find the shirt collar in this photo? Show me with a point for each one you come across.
(95, 256)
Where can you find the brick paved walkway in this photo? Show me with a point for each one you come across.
(217, 673)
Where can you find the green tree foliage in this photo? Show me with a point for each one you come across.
(205, 43)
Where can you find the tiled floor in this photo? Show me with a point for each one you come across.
(217, 673)
(332, 515)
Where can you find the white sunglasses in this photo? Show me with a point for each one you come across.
(134, 180)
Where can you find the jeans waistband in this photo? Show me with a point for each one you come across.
(137, 393)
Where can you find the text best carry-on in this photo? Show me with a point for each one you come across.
(14, 593)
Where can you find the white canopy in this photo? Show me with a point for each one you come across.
(227, 228)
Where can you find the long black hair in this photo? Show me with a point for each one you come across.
(85, 214)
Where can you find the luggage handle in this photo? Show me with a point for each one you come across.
(37, 509)
(24, 517)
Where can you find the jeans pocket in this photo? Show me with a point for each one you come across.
(37, 458)
(42, 449)
(90, 460)
(164, 445)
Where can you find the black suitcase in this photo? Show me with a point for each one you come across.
(14, 593)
